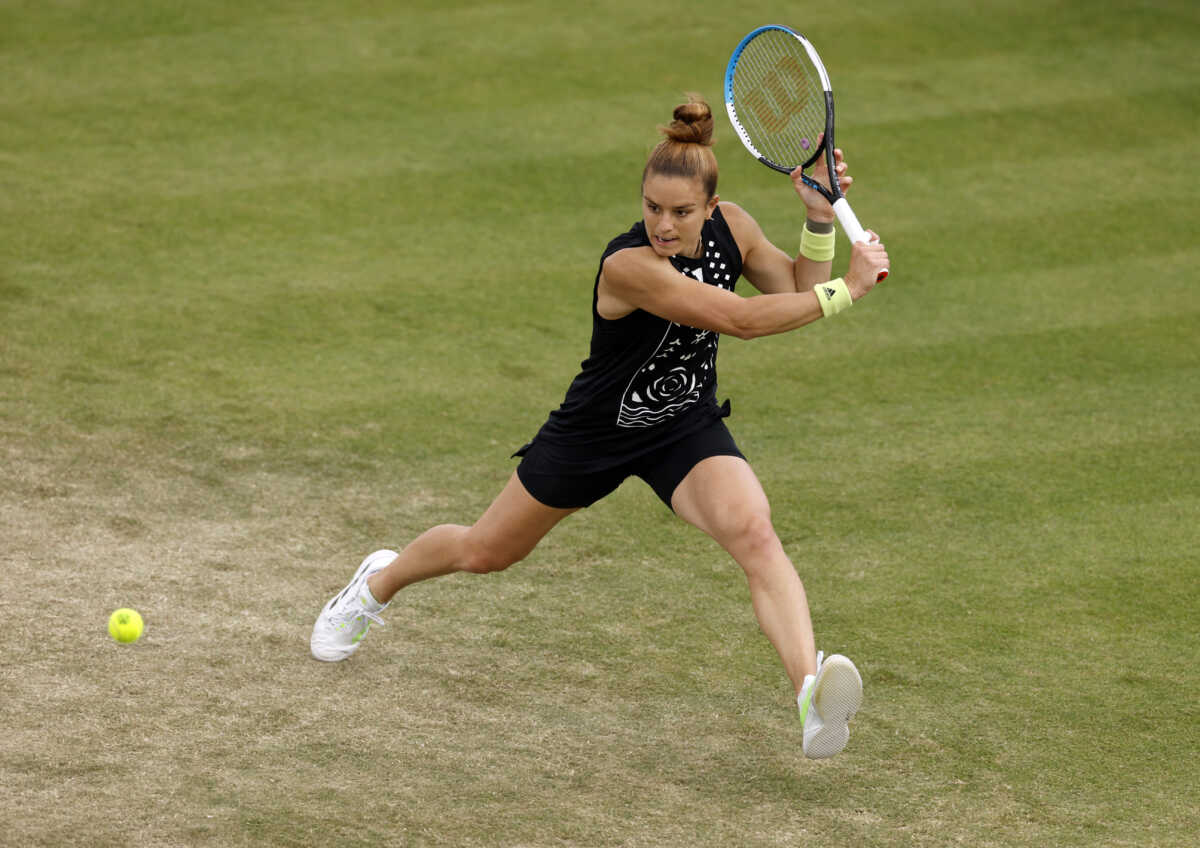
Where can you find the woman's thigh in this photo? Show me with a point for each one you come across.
(723, 497)
(514, 523)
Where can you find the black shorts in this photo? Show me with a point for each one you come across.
(553, 484)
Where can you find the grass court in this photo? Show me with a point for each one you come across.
(284, 282)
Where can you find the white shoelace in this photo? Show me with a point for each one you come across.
(349, 613)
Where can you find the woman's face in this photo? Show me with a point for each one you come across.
(675, 209)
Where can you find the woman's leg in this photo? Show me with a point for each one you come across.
(506, 532)
(723, 497)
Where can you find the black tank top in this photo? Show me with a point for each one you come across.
(647, 381)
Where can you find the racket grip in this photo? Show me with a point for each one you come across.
(850, 226)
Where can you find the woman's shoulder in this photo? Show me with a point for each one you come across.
(635, 236)
(735, 216)
(630, 259)
(741, 224)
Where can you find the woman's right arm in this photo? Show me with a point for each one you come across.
(636, 278)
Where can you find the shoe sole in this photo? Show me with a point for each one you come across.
(837, 696)
(364, 570)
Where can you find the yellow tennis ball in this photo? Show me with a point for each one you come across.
(125, 625)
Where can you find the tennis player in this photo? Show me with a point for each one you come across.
(644, 405)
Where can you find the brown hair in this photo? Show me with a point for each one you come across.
(687, 149)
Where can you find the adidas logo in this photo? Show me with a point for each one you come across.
(829, 292)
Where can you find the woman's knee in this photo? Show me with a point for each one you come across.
(752, 536)
(479, 557)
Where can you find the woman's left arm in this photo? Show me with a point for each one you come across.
(768, 268)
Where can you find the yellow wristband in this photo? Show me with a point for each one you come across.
(817, 246)
(833, 296)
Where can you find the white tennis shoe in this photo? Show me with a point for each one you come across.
(345, 620)
(827, 701)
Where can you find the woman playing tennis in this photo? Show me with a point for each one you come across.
(644, 404)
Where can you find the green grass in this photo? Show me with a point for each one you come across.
(284, 282)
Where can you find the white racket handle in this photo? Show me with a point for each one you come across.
(850, 226)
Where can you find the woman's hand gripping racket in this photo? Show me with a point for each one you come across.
(780, 102)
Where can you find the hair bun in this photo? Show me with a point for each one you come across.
(693, 123)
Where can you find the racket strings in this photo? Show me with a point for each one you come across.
(779, 98)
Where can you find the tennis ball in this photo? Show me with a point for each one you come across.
(125, 625)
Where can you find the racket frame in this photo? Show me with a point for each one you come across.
(841, 207)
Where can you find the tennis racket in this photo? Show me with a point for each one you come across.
(780, 103)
